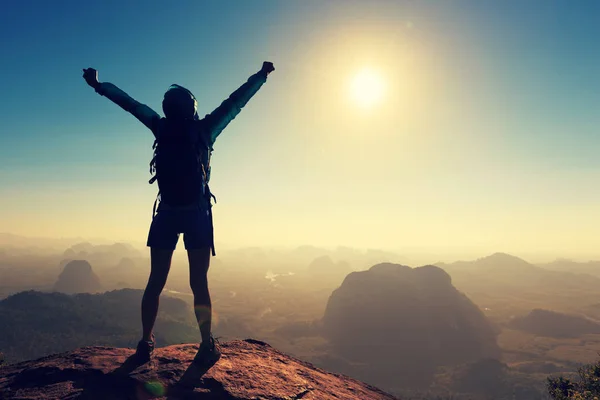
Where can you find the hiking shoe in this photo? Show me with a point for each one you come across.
(208, 353)
(144, 350)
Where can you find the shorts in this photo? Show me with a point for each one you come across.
(194, 222)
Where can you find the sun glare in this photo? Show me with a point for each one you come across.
(367, 88)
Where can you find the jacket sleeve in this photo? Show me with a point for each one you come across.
(218, 119)
(142, 112)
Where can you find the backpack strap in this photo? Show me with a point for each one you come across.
(153, 163)
(208, 194)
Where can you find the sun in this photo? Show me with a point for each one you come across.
(367, 88)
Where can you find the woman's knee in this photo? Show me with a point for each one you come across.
(155, 286)
(160, 264)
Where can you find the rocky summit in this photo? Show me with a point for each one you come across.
(248, 369)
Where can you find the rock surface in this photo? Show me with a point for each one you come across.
(248, 369)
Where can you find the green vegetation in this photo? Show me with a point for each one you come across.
(585, 386)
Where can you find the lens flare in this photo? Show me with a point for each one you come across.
(155, 388)
(150, 390)
(203, 313)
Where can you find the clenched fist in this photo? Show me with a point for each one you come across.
(268, 67)
(91, 77)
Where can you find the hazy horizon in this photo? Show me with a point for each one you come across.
(410, 256)
(481, 136)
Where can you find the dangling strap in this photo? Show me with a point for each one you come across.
(156, 201)
(212, 231)
(209, 196)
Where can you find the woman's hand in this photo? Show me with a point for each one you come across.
(267, 67)
(91, 77)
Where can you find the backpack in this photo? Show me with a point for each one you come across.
(181, 163)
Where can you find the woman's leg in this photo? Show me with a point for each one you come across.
(199, 262)
(160, 264)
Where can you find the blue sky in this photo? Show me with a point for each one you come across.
(487, 139)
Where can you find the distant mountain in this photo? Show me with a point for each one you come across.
(324, 265)
(78, 277)
(561, 264)
(498, 262)
(101, 255)
(402, 323)
(126, 264)
(306, 253)
(555, 324)
(505, 285)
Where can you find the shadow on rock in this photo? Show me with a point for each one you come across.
(120, 382)
(131, 364)
(192, 385)
(192, 376)
(105, 387)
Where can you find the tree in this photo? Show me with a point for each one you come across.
(586, 387)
